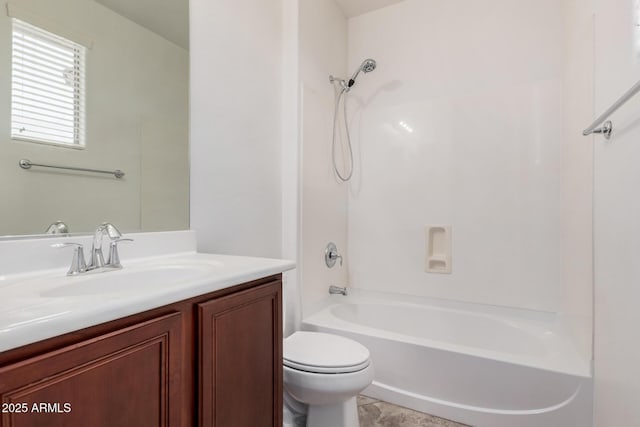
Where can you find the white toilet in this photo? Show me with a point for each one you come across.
(323, 374)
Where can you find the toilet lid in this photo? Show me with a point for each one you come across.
(324, 353)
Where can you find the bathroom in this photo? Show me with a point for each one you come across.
(486, 245)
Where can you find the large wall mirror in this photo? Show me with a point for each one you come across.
(100, 85)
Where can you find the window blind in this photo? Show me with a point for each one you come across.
(47, 87)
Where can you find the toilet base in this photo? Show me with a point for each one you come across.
(294, 413)
(343, 414)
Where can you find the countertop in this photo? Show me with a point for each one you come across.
(31, 310)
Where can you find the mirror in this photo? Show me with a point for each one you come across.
(134, 117)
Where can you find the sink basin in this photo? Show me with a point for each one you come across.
(131, 280)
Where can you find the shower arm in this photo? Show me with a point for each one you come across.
(343, 83)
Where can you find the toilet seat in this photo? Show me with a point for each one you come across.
(321, 353)
(324, 370)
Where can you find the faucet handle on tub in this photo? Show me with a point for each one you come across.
(78, 264)
(331, 255)
(114, 258)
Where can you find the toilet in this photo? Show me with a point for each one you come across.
(323, 374)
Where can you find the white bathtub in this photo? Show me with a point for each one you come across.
(481, 365)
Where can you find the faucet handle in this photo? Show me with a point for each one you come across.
(331, 255)
(78, 264)
(114, 258)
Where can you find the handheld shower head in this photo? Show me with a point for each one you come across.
(368, 65)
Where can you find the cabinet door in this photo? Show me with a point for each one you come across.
(240, 359)
(131, 377)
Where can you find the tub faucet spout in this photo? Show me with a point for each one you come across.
(334, 290)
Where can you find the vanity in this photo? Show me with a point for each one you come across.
(177, 338)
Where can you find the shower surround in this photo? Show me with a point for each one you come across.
(464, 124)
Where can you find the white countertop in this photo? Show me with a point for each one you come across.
(38, 305)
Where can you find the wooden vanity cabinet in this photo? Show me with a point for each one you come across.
(214, 360)
(240, 359)
(126, 378)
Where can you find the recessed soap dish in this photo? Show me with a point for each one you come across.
(438, 249)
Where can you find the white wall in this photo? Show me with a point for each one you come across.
(480, 84)
(290, 165)
(322, 51)
(236, 112)
(577, 171)
(617, 221)
(137, 121)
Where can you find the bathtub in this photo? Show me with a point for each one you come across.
(481, 365)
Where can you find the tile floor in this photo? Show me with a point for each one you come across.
(376, 413)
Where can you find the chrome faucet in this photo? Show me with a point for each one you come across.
(97, 259)
(338, 290)
(57, 227)
(96, 263)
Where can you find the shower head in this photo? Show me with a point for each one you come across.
(368, 65)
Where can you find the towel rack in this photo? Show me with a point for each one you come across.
(607, 127)
(26, 164)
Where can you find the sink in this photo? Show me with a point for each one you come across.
(132, 280)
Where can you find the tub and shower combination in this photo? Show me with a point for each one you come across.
(481, 365)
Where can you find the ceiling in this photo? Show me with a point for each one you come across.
(352, 8)
(167, 18)
(170, 18)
